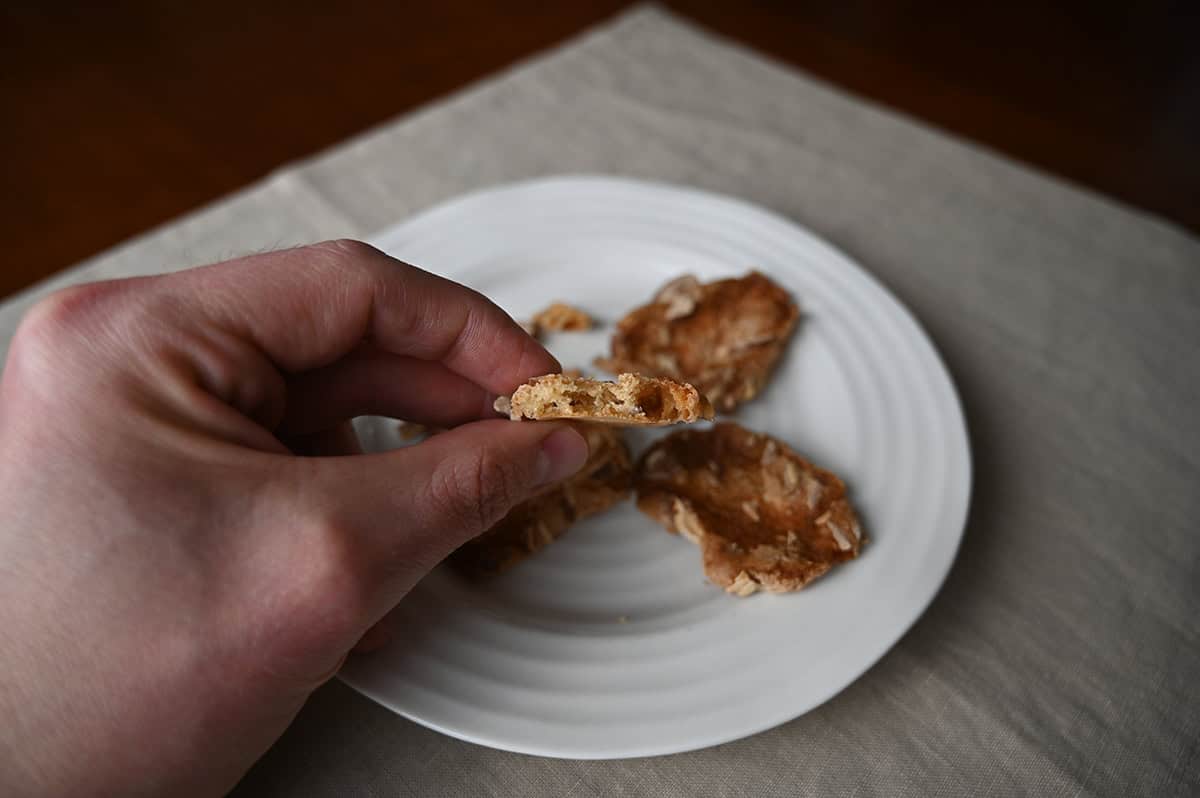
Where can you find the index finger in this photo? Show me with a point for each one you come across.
(307, 307)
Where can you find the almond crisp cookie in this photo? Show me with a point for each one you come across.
(604, 480)
(764, 517)
(633, 400)
(724, 337)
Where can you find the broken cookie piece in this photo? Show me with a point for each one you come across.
(604, 480)
(764, 517)
(632, 400)
(724, 337)
(561, 317)
(411, 430)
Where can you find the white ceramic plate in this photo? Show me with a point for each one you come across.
(610, 643)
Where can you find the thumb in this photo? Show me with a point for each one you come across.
(409, 508)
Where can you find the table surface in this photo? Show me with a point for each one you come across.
(1062, 655)
(123, 115)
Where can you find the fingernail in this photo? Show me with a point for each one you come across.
(563, 452)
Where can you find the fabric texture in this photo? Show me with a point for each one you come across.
(1061, 657)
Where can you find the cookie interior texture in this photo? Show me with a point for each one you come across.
(764, 517)
(631, 400)
(724, 337)
(604, 480)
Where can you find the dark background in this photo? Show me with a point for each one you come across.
(118, 116)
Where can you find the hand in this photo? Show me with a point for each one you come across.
(174, 581)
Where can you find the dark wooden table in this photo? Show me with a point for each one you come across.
(118, 116)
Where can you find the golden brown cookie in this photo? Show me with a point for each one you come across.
(724, 337)
(632, 400)
(763, 516)
(604, 480)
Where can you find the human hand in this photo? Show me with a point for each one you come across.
(174, 581)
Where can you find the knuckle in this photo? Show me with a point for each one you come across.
(493, 481)
(348, 253)
(357, 266)
(63, 312)
(452, 502)
(319, 604)
(477, 491)
(331, 594)
(58, 330)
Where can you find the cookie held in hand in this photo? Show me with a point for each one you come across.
(632, 400)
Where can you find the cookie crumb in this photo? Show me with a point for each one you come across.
(561, 317)
(410, 430)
